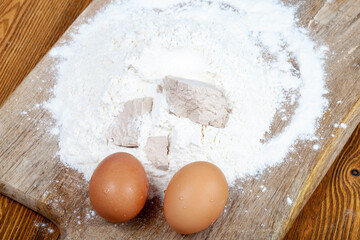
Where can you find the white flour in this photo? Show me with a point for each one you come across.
(241, 47)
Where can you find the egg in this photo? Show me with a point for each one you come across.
(195, 197)
(118, 187)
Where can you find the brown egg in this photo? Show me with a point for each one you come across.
(195, 197)
(118, 187)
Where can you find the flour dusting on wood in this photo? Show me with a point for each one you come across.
(252, 52)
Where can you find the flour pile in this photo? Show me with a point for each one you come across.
(252, 51)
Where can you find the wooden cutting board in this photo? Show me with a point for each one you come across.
(31, 173)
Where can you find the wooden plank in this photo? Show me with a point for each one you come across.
(28, 29)
(18, 222)
(336, 23)
(58, 181)
(43, 22)
(333, 211)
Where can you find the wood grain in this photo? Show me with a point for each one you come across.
(333, 211)
(19, 222)
(310, 12)
(28, 29)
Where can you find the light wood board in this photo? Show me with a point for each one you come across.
(31, 173)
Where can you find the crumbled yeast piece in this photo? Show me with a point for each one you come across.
(198, 101)
(157, 149)
(125, 130)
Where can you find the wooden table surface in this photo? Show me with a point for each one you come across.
(28, 29)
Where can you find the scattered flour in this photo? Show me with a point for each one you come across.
(252, 51)
(316, 147)
(44, 227)
(263, 188)
(289, 201)
(343, 125)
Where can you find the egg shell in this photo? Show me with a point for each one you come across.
(118, 187)
(195, 197)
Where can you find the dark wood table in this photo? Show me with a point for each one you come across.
(29, 28)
